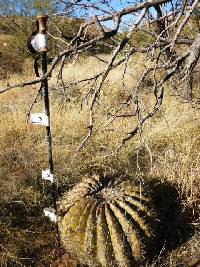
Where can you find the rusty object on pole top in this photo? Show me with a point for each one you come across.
(42, 23)
(37, 42)
(41, 35)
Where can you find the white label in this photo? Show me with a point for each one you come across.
(47, 175)
(42, 40)
(50, 213)
(39, 41)
(39, 119)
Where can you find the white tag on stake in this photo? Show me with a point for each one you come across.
(47, 175)
(39, 42)
(39, 119)
(50, 212)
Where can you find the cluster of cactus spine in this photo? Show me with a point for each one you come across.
(105, 223)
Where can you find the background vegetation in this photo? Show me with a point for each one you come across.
(165, 154)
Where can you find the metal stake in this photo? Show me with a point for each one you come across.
(48, 135)
(47, 111)
(42, 28)
(37, 44)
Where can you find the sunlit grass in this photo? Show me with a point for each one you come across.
(167, 150)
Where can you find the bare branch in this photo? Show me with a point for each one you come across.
(164, 51)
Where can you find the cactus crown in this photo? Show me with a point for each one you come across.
(106, 223)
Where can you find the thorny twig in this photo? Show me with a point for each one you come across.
(119, 48)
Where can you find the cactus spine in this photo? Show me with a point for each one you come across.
(106, 224)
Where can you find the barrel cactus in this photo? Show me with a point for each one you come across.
(106, 223)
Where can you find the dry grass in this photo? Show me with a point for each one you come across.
(167, 152)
